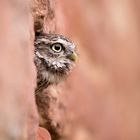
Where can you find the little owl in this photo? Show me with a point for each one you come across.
(55, 56)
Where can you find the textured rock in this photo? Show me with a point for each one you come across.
(100, 100)
(18, 116)
(44, 16)
(102, 94)
(43, 134)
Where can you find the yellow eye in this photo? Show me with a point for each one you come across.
(57, 47)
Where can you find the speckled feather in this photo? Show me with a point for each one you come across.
(52, 67)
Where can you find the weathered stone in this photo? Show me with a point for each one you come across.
(18, 116)
(102, 94)
(100, 100)
(43, 134)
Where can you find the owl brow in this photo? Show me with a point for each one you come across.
(43, 40)
(60, 41)
(54, 39)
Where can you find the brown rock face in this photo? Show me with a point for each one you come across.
(18, 116)
(102, 94)
(43, 134)
(100, 100)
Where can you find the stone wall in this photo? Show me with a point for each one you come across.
(100, 100)
(102, 94)
(18, 115)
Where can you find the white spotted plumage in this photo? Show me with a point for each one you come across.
(53, 67)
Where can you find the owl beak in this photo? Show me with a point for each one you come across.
(72, 56)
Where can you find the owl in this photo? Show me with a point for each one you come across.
(55, 56)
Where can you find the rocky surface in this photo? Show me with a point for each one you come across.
(100, 100)
(18, 115)
(102, 94)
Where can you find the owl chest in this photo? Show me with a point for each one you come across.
(42, 83)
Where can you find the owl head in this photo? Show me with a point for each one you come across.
(55, 56)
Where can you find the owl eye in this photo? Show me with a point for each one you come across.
(57, 47)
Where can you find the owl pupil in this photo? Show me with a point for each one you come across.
(57, 48)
